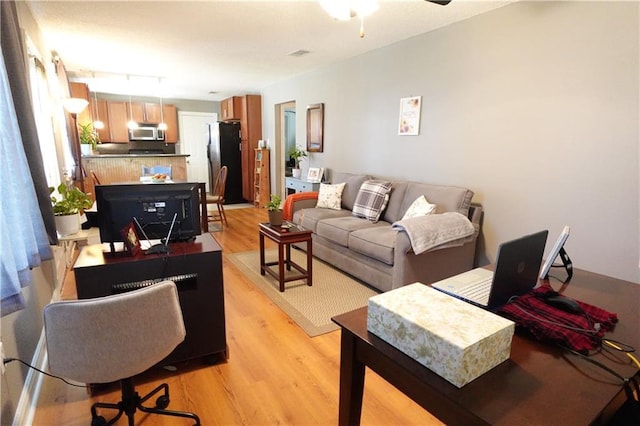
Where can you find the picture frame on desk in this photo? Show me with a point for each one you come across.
(131, 240)
(315, 174)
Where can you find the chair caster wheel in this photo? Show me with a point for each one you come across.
(98, 421)
(162, 402)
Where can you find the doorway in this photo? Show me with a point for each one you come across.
(285, 141)
(194, 136)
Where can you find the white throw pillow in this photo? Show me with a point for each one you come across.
(420, 207)
(330, 196)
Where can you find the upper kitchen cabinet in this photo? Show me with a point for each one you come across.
(118, 113)
(231, 108)
(81, 90)
(143, 112)
(170, 113)
(100, 112)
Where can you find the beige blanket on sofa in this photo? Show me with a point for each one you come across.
(436, 231)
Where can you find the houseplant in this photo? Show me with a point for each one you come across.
(89, 138)
(297, 154)
(274, 210)
(67, 205)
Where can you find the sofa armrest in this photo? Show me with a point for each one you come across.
(298, 201)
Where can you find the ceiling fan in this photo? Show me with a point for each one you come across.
(345, 10)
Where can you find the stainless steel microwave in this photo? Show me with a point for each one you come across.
(146, 132)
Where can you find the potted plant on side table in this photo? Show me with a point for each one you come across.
(89, 138)
(67, 205)
(274, 210)
(297, 154)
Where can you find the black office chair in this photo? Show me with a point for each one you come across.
(113, 338)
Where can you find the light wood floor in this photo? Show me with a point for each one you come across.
(275, 374)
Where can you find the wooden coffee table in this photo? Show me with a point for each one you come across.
(284, 237)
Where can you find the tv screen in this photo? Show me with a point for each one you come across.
(153, 206)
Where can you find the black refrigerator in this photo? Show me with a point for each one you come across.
(223, 149)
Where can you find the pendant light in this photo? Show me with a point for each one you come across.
(131, 124)
(97, 124)
(162, 125)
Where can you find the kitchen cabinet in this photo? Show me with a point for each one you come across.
(231, 108)
(99, 111)
(118, 118)
(81, 90)
(250, 134)
(118, 114)
(170, 113)
(145, 112)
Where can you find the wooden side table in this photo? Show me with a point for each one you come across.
(284, 237)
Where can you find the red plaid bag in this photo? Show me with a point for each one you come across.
(581, 332)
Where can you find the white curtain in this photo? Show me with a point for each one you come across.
(23, 237)
(44, 121)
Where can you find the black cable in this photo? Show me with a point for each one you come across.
(596, 363)
(8, 360)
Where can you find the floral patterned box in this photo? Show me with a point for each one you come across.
(452, 338)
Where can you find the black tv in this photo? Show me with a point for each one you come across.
(153, 206)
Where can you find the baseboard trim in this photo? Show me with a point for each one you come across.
(28, 402)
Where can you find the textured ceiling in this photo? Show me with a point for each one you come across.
(189, 49)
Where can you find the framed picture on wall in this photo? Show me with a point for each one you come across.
(409, 123)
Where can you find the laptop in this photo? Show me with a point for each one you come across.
(516, 272)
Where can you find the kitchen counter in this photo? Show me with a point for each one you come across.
(134, 155)
(106, 169)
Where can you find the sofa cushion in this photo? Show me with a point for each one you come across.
(377, 243)
(351, 188)
(371, 200)
(420, 207)
(395, 210)
(447, 198)
(309, 218)
(330, 196)
(338, 229)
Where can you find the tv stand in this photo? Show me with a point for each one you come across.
(195, 267)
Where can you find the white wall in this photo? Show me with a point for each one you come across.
(533, 106)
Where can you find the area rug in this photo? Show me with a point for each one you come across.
(312, 308)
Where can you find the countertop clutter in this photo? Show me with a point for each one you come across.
(107, 156)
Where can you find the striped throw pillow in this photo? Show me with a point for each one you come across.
(371, 200)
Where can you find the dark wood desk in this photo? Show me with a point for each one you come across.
(539, 384)
(196, 268)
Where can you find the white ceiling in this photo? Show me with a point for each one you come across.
(227, 47)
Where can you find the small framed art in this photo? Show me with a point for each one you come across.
(315, 174)
(409, 123)
(131, 240)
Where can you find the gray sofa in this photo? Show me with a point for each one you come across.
(378, 253)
